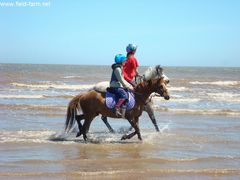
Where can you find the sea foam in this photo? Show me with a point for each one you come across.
(218, 83)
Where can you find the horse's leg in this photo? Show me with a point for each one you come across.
(134, 124)
(85, 128)
(129, 136)
(138, 132)
(78, 119)
(149, 109)
(79, 128)
(104, 118)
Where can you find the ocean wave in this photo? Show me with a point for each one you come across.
(35, 107)
(225, 97)
(178, 88)
(226, 112)
(73, 77)
(54, 86)
(177, 99)
(85, 78)
(36, 136)
(9, 96)
(94, 137)
(25, 136)
(218, 83)
(33, 96)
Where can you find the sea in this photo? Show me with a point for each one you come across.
(199, 134)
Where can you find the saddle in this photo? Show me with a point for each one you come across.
(111, 100)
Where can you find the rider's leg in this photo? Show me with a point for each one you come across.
(118, 105)
(123, 96)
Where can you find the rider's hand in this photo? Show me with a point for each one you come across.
(137, 74)
(131, 88)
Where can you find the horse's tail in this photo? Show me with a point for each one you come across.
(73, 105)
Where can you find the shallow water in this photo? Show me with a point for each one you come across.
(199, 127)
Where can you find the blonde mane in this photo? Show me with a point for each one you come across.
(153, 72)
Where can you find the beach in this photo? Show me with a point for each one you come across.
(199, 127)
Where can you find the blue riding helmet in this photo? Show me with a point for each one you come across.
(119, 58)
(131, 48)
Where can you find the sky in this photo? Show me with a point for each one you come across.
(92, 32)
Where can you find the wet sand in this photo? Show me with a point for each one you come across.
(105, 162)
(184, 151)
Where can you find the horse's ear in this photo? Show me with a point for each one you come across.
(159, 69)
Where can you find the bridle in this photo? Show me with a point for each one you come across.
(159, 74)
(160, 94)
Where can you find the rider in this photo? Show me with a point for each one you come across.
(118, 85)
(131, 65)
(130, 72)
(148, 107)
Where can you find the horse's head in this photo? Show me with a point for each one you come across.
(159, 86)
(166, 79)
(155, 72)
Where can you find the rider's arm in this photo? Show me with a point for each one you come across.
(137, 74)
(124, 83)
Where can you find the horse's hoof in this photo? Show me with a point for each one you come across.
(139, 137)
(112, 131)
(85, 138)
(124, 137)
(78, 134)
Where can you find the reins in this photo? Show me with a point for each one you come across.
(140, 94)
(142, 79)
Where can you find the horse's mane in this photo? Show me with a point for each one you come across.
(152, 72)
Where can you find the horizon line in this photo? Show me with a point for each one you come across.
(200, 66)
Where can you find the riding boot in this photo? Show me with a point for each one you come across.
(117, 107)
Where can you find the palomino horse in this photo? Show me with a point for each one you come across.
(151, 72)
(92, 104)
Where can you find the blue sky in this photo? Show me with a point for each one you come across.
(167, 32)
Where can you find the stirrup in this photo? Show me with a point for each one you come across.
(117, 112)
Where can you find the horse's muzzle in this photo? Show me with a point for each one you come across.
(166, 97)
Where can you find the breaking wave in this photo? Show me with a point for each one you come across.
(33, 96)
(9, 96)
(54, 86)
(224, 96)
(218, 83)
(95, 137)
(226, 112)
(178, 89)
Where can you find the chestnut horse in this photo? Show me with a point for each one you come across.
(148, 108)
(92, 103)
(151, 72)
